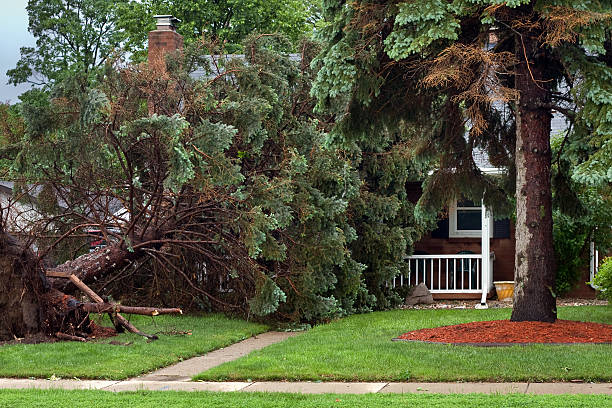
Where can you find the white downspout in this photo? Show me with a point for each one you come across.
(594, 264)
(486, 249)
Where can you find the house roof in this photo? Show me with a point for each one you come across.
(6, 187)
(101, 204)
(481, 158)
(219, 61)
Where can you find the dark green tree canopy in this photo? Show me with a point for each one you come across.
(71, 36)
(454, 76)
(226, 22)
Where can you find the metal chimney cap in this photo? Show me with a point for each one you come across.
(166, 20)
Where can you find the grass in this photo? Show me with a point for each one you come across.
(95, 399)
(102, 360)
(359, 348)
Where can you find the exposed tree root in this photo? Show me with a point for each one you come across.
(32, 303)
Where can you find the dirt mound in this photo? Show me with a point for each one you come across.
(19, 309)
(505, 332)
(100, 332)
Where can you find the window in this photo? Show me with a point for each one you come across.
(465, 220)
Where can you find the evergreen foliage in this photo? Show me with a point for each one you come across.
(258, 203)
(582, 215)
(76, 37)
(232, 173)
(440, 77)
(12, 129)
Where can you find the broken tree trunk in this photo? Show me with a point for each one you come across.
(114, 309)
(93, 265)
(139, 310)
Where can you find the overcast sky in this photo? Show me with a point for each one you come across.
(13, 35)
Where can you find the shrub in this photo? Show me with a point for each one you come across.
(603, 279)
(569, 238)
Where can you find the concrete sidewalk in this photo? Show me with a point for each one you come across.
(176, 378)
(184, 370)
(316, 387)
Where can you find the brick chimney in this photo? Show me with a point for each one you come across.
(164, 39)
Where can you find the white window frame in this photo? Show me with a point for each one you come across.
(453, 232)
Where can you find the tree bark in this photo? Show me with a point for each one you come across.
(534, 272)
(607, 58)
(94, 265)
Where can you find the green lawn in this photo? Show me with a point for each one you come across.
(147, 399)
(103, 360)
(359, 348)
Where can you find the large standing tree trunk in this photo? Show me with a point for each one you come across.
(534, 272)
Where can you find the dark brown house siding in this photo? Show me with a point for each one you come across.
(581, 289)
(438, 243)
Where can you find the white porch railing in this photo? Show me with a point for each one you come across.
(458, 273)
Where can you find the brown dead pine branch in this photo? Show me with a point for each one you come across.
(190, 283)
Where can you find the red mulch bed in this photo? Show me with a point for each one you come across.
(505, 332)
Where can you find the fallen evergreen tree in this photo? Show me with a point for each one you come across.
(212, 193)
